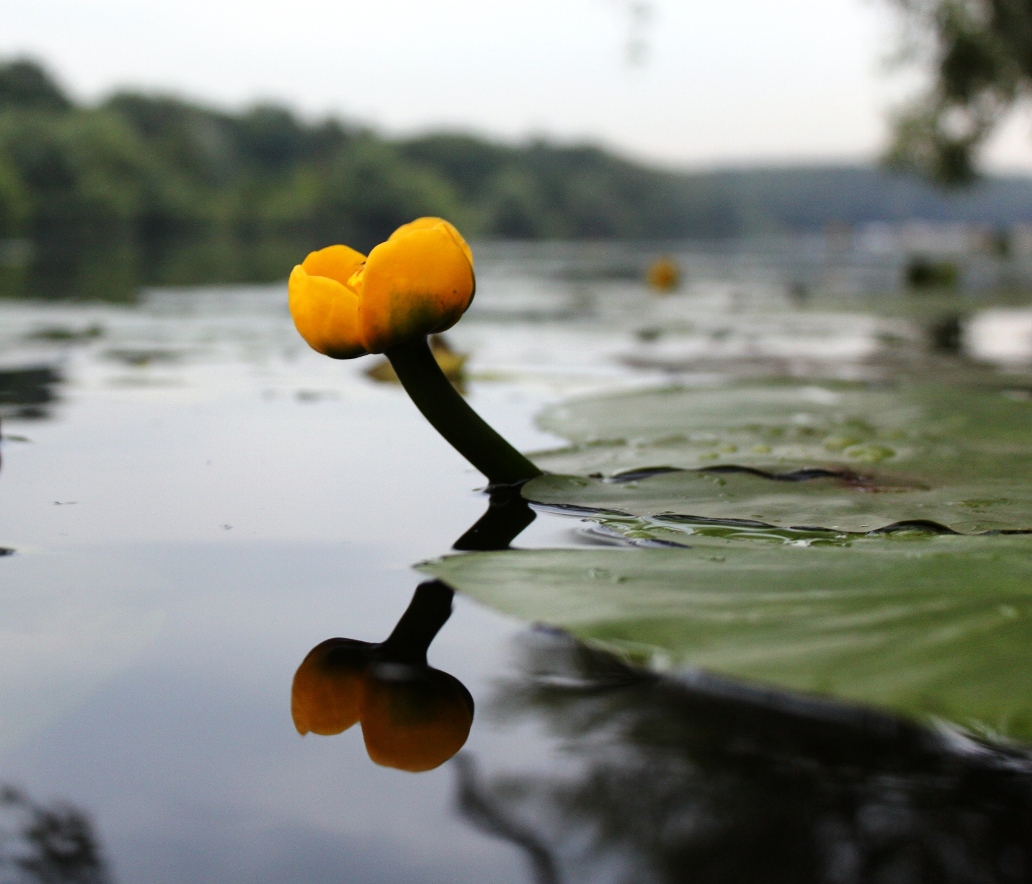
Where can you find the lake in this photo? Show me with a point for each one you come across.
(192, 500)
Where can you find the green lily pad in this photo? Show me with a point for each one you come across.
(865, 458)
(687, 499)
(933, 626)
(915, 433)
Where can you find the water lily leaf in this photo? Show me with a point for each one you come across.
(933, 626)
(840, 457)
(915, 433)
(829, 502)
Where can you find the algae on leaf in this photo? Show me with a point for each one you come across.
(933, 626)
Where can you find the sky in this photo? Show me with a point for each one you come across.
(738, 82)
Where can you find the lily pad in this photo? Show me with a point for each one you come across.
(933, 626)
(837, 504)
(838, 457)
(918, 433)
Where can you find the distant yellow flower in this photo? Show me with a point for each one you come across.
(418, 282)
(663, 275)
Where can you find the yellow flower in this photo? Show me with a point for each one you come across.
(663, 275)
(417, 283)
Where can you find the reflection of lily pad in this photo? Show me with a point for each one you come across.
(934, 626)
(140, 358)
(65, 335)
(957, 458)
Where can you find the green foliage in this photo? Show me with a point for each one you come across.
(368, 191)
(543, 191)
(169, 191)
(26, 86)
(14, 203)
(926, 627)
(863, 542)
(85, 175)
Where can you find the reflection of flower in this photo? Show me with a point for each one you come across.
(327, 687)
(413, 717)
(418, 282)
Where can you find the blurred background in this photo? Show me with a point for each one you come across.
(148, 145)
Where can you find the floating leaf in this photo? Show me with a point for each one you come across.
(839, 457)
(917, 433)
(830, 503)
(931, 626)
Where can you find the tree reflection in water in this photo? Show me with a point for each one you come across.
(704, 780)
(28, 393)
(47, 844)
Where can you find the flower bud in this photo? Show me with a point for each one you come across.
(419, 282)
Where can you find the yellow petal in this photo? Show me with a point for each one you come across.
(426, 223)
(333, 262)
(419, 282)
(325, 312)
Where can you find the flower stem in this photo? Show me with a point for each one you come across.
(453, 418)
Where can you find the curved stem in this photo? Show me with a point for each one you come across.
(454, 419)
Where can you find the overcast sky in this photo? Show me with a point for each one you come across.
(731, 82)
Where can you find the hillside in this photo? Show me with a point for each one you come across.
(169, 190)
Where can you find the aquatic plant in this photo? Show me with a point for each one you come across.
(417, 283)
(663, 275)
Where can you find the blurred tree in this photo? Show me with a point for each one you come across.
(980, 56)
(370, 189)
(156, 188)
(87, 177)
(47, 843)
(14, 203)
(197, 142)
(24, 84)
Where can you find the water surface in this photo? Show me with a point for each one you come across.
(194, 500)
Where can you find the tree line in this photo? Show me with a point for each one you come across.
(152, 168)
(97, 199)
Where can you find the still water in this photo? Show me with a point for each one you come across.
(192, 501)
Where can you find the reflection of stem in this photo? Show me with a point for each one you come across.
(507, 515)
(429, 610)
(453, 418)
(488, 815)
